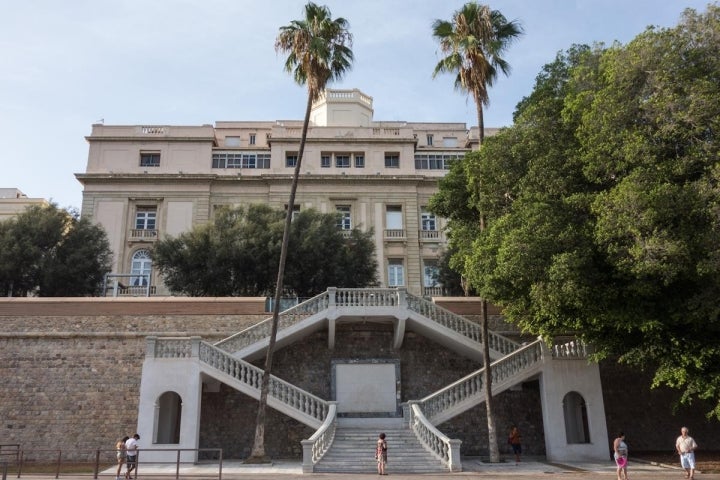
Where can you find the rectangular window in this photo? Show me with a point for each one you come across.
(252, 139)
(295, 211)
(149, 159)
(291, 160)
(393, 217)
(435, 161)
(241, 160)
(392, 160)
(359, 160)
(430, 273)
(427, 221)
(145, 219)
(396, 273)
(325, 161)
(345, 220)
(232, 141)
(342, 161)
(429, 139)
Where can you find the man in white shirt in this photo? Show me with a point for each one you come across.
(131, 447)
(685, 446)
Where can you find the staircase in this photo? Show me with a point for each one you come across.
(353, 451)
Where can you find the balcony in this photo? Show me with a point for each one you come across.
(128, 285)
(395, 234)
(432, 291)
(143, 234)
(431, 235)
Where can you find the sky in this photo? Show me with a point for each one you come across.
(65, 65)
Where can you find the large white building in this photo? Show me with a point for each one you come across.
(143, 182)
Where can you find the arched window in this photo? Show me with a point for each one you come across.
(576, 420)
(168, 411)
(141, 266)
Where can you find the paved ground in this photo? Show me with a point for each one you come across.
(473, 469)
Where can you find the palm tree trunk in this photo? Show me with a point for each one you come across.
(257, 455)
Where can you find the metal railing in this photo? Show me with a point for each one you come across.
(96, 463)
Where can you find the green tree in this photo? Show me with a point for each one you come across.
(474, 42)
(612, 231)
(237, 255)
(49, 252)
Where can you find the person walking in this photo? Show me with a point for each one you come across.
(514, 441)
(121, 454)
(686, 446)
(131, 446)
(381, 454)
(621, 456)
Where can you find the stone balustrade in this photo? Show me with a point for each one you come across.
(571, 350)
(443, 447)
(316, 446)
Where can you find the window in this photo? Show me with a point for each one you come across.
(450, 142)
(435, 161)
(325, 161)
(345, 220)
(149, 159)
(342, 161)
(145, 218)
(430, 273)
(295, 212)
(427, 221)
(252, 139)
(393, 217)
(291, 160)
(429, 139)
(142, 267)
(232, 141)
(392, 160)
(241, 160)
(359, 160)
(396, 273)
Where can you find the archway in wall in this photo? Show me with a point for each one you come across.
(168, 411)
(576, 420)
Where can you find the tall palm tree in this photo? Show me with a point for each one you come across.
(473, 42)
(319, 51)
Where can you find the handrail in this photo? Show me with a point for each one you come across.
(315, 447)
(572, 350)
(459, 324)
(472, 385)
(286, 319)
(443, 447)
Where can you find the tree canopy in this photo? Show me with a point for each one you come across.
(49, 252)
(604, 204)
(237, 255)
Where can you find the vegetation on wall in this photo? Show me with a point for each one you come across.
(604, 200)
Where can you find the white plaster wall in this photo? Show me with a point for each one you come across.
(560, 377)
(365, 388)
(159, 376)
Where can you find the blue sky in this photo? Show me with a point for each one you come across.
(65, 65)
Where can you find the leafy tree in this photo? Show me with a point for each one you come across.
(612, 226)
(49, 252)
(237, 254)
(474, 42)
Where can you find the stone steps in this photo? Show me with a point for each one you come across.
(353, 451)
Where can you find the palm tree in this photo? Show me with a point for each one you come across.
(319, 51)
(473, 41)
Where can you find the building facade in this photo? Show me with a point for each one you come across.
(13, 202)
(145, 182)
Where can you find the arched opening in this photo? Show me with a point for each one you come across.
(168, 411)
(576, 419)
(142, 267)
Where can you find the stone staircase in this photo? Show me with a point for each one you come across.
(353, 451)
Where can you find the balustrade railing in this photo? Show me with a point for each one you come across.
(571, 350)
(459, 324)
(444, 448)
(472, 385)
(286, 319)
(366, 297)
(315, 447)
